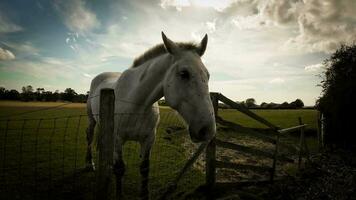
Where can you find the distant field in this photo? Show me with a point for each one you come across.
(60, 153)
(281, 118)
(38, 104)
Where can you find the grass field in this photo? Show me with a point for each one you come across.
(45, 157)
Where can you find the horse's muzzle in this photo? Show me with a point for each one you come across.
(203, 133)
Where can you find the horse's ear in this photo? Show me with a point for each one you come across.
(170, 46)
(202, 45)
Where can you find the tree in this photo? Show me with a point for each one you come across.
(297, 104)
(55, 96)
(2, 92)
(242, 103)
(284, 105)
(250, 103)
(39, 92)
(27, 93)
(27, 89)
(263, 105)
(12, 95)
(69, 94)
(48, 96)
(337, 102)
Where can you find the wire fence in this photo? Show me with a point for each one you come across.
(44, 158)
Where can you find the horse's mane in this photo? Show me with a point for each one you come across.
(160, 50)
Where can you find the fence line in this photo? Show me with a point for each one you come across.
(212, 163)
(43, 158)
(53, 165)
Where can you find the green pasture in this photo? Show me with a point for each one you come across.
(43, 156)
(281, 118)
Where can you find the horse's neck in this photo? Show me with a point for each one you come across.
(146, 82)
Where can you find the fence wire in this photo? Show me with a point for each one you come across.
(44, 158)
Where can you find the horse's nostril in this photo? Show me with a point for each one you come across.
(203, 131)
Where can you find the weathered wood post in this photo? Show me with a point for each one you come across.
(322, 129)
(301, 143)
(105, 143)
(274, 163)
(320, 143)
(211, 150)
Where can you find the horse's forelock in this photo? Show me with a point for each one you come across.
(160, 50)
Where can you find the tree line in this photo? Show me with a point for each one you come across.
(251, 104)
(28, 93)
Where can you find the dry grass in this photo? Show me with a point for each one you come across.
(39, 104)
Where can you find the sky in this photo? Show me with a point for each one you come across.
(270, 50)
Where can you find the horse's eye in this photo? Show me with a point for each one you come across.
(184, 75)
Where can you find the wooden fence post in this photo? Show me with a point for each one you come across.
(301, 143)
(211, 150)
(322, 129)
(211, 164)
(105, 143)
(275, 154)
(215, 100)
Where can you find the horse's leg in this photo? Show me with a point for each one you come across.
(90, 134)
(145, 167)
(119, 169)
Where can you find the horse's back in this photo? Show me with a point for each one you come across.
(105, 79)
(101, 81)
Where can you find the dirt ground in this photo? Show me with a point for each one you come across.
(328, 176)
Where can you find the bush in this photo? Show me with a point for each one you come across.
(337, 102)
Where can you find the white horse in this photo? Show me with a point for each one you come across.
(170, 70)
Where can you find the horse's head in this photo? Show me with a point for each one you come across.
(186, 89)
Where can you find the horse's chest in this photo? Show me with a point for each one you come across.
(136, 126)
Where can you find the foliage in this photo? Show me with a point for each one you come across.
(41, 94)
(250, 102)
(298, 103)
(69, 94)
(337, 102)
(9, 94)
(27, 93)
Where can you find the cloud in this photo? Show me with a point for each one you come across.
(47, 68)
(245, 40)
(77, 17)
(313, 68)
(6, 54)
(87, 75)
(248, 22)
(322, 24)
(6, 26)
(49, 72)
(178, 4)
(281, 11)
(241, 8)
(26, 48)
(211, 25)
(326, 24)
(277, 80)
(218, 5)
